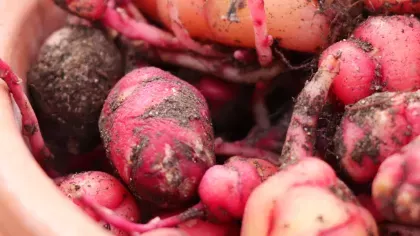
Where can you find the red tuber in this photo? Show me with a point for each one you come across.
(157, 133)
(105, 190)
(375, 128)
(395, 187)
(224, 191)
(306, 197)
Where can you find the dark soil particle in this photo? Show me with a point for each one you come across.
(74, 71)
(182, 107)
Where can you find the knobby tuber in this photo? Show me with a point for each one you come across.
(375, 128)
(305, 198)
(394, 189)
(157, 132)
(68, 83)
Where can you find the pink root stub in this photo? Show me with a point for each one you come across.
(225, 189)
(105, 190)
(157, 132)
(87, 9)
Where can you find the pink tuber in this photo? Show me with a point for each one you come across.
(380, 56)
(223, 190)
(395, 42)
(375, 128)
(395, 187)
(105, 190)
(393, 6)
(157, 133)
(306, 197)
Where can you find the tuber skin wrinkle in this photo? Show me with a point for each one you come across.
(242, 174)
(275, 206)
(158, 134)
(68, 83)
(105, 190)
(373, 129)
(395, 187)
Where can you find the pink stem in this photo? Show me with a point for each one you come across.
(263, 41)
(239, 148)
(300, 137)
(110, 217)
(219, 68)
(195, 211)
(29, 120)
(121, 223)
(138, 30)
(261, 113)
(184, 38)
(271, 139)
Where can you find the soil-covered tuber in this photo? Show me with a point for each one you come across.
(75, 70)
